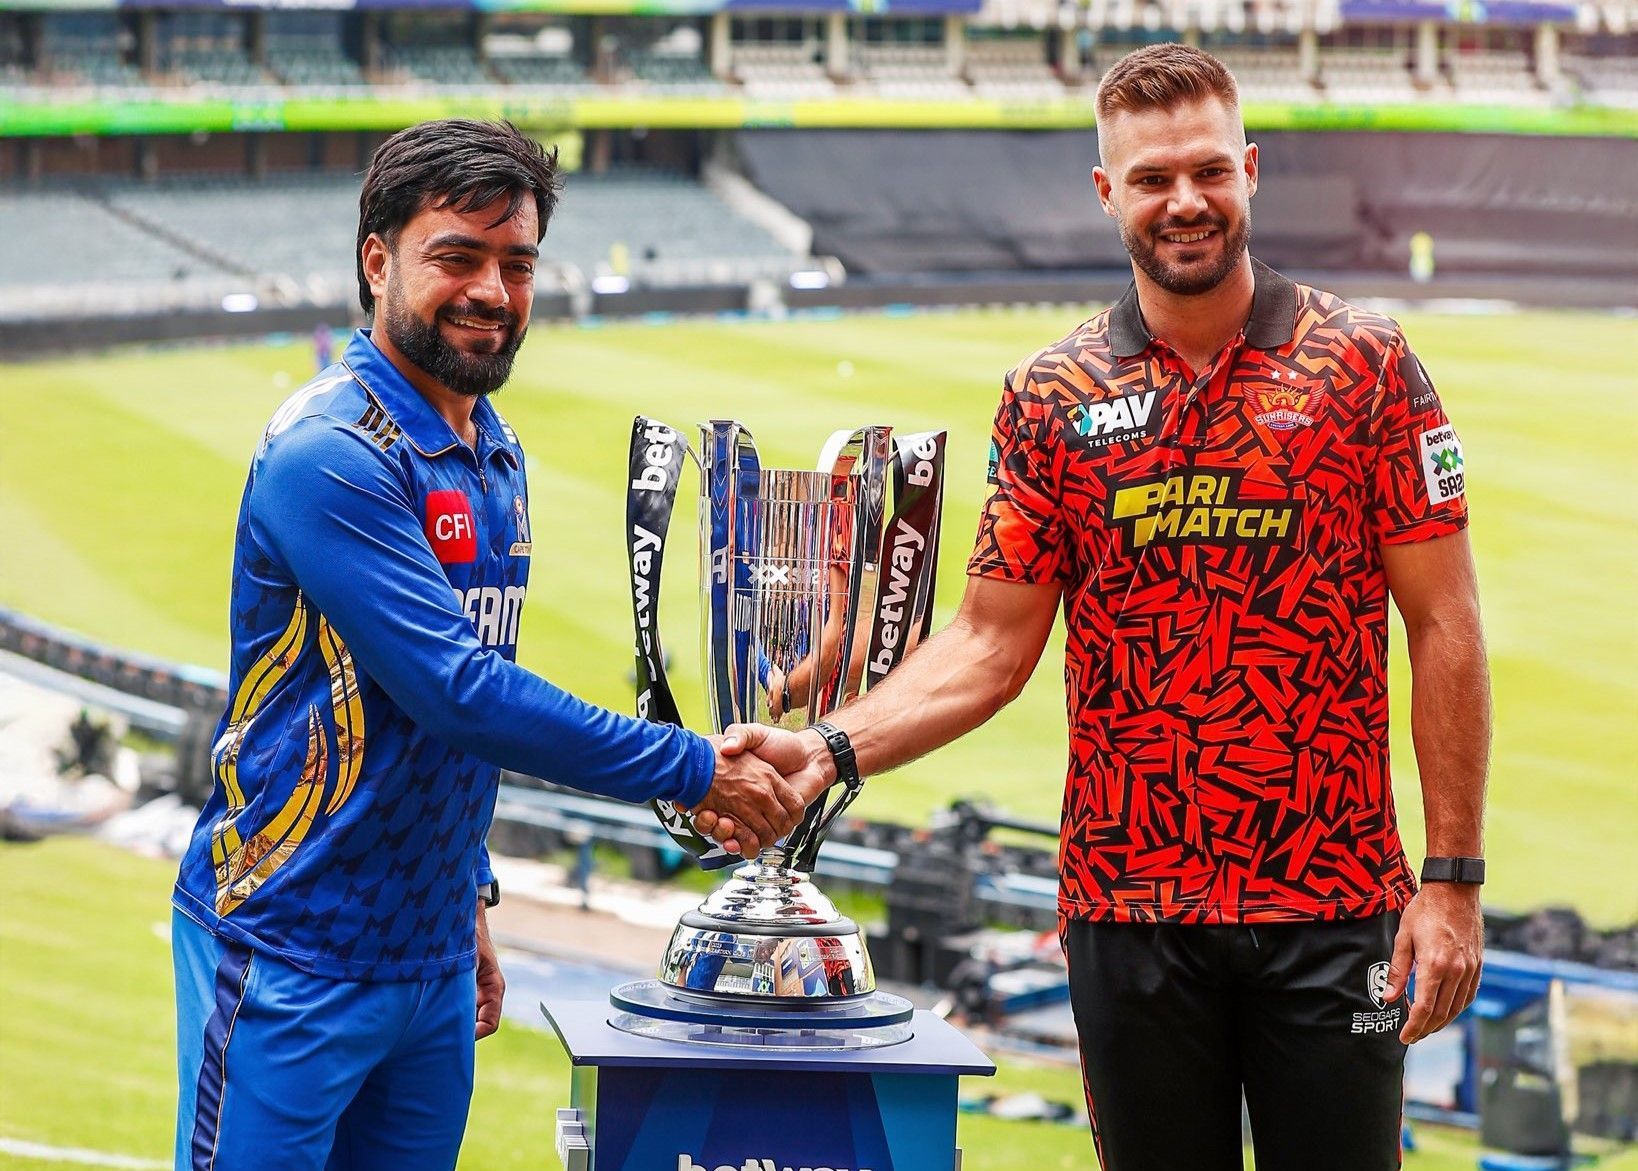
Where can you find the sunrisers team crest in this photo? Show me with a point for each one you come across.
(1285, 406)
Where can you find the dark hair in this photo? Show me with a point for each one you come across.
(456, 163)
(1163, 76)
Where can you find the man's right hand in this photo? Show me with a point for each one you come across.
(750, 798)
(802, 757)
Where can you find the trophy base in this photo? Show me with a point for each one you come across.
(649, 1008)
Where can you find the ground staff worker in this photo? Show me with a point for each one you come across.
(1222, 478)
(333, 962)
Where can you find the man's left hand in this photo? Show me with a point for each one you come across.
(491, 984)
(1441, 936)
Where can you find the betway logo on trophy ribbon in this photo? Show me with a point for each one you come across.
(686, 1163)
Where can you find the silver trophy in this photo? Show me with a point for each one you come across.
(815, 585)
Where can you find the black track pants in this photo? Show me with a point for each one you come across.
(1176, 1021)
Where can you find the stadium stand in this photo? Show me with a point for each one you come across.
(190, 242)
(305, 49)
(206, 48)
(87, 49)
(681, 72)
(1368, 77)
(917, 72)
(1610, 80)
(1012, 69)
(539, 69)
(48, 271)
(1271, 74)
(782, 71)
(440, 65)
(1493, 203)
(1484, 77)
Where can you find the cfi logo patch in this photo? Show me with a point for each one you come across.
(522, 546)
(1283, 405)
(449, 527)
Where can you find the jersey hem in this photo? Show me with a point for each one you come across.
(1393, 897)
(324, 966)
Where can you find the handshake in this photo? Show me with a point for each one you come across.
(765, 780)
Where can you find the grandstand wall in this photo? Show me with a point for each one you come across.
(973, 201)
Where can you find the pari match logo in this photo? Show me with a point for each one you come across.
(1201, 506)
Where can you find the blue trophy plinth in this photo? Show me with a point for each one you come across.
(750, 1093)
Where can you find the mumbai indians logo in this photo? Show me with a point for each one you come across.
(1193, 507)
(1284, 408)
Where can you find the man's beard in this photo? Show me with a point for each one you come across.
(473, 375)
(1188, 280)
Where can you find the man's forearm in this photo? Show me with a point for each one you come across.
(948, 686)
(1450, 726)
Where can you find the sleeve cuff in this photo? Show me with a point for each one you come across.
(702, 768)
(1425, 530)
(485, 875)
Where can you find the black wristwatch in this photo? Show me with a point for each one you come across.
(489, 892)
(841, 750)
(1464, 870)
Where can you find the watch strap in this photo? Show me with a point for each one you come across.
(1455, 869)
(841, 750)
(489, 893)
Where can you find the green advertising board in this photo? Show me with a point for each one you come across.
(23, 118)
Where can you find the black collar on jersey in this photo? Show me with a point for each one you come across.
(1272, 322)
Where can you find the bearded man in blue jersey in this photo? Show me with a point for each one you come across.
(333, 964)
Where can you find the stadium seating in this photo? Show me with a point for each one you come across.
(1012, 70)
(1364, 77)
(306, 49)
(441, 65)
(190, 242)
(1608, 81)
(1495, 79)
(916, 72)
(133, 270)
(1268, 75)
(538, 69)
(782, 71)
(674, 71)
(313, 64)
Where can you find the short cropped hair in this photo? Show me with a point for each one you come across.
(1159, 77)
(458, 163)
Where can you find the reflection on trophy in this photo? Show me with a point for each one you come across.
(815, 585)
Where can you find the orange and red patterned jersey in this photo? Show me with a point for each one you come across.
(1218, 538)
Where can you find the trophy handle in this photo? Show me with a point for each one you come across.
(858, 463)
(655, 464)
(731, 474)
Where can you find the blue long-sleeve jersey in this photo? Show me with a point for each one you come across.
(378, 578)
